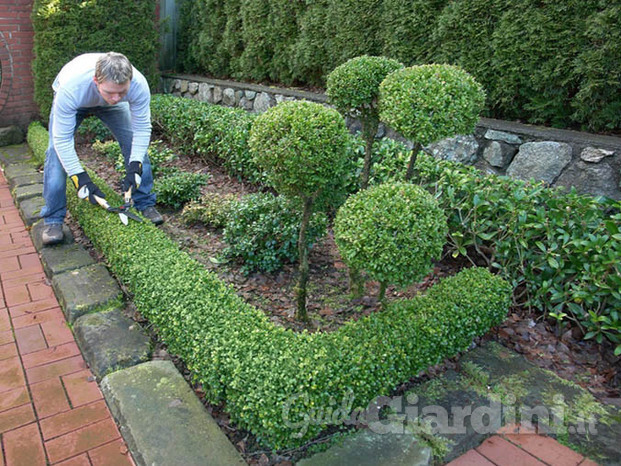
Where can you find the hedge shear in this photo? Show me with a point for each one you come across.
(123, 211)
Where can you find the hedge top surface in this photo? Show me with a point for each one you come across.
(302, 145)
(429, 102)
(353, 87)
(393, 231)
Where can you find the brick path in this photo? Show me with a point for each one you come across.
(515, 447)
(51, 408)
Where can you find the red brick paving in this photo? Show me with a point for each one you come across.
(519, 447)
(51, 408)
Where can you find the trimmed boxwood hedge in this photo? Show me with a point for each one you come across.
(271, 378)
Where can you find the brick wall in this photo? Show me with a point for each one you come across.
(17, 106)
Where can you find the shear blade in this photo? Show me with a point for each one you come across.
(123, 218)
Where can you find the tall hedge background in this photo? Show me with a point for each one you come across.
(541, 61)
(66, 28)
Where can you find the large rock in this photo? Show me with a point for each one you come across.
(499, 154)
(262, 102)
(462, 149)
(596, 179)
(85, 290)
(228, 97)
(11, 135)
(509, 138)
(204, 92)
(110, 341)
(595, 155)
(162, 421)
(542, 161)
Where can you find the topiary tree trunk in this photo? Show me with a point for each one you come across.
(369, 130)
(412, 163)
(300, 288)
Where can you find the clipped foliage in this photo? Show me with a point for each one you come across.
(208, 131)
(301, 145)
(37, 136)
(178, 187)
(108, 149)
(429, 102)
(66, 28)
(271, 378)
(212, 209)
(391, 231)
(353, 87)
(262, 231)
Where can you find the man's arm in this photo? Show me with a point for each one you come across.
(141, 120)
(63, 126)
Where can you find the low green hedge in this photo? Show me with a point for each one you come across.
(272, 379)
(38, 137)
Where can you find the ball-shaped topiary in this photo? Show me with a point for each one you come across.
(301, 145)
(392, 231)
(426, 103)
(353, 87)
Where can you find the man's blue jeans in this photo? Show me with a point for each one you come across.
(118, 119)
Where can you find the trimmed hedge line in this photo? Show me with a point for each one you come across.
(272, 379)
(556, 63)
(38, 136)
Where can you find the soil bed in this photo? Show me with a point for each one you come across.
(329, 304)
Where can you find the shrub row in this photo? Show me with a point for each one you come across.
(64, 29)
(273, 379)
(38, 136)
(555, 63)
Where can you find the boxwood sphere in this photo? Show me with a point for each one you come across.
(301, 145)
(393, 231)
(353, 87)
(429, 102)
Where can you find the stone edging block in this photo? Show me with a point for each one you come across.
(162, 420)
(111, 341)
(64, 257)
(85, 290)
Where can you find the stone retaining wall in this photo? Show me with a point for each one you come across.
(591, 163)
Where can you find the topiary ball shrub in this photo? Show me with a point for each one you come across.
(392, 231)
(262, 231)
(301, 145)
(353, 87)
(426, 103)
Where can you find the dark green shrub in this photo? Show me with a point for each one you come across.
(353, 88)
(262, 231)
(559, 250)
(391, 231)
(178, 187)
(66, 28)
(38, 136)
(212, 209)
(303, 148)
(93, 129)
(429, 102)
(108, 149)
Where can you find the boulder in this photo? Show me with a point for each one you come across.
(542, 161)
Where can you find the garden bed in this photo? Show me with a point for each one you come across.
(330, 304)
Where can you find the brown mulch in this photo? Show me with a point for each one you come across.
(562, 351)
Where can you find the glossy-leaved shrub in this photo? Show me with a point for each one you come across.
(302, 147)
(393, 232)
(178, 187)
(262, 231)
(353, 88)
(212, 209)
(427, 103)
(37, 136)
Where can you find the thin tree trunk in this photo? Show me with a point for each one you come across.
(303, 270)
(412, 163)
(356, 286)
(382, 292)
(369, 129)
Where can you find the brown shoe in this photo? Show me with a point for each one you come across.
(150, 213)
(52, 234)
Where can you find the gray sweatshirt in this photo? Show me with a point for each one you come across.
(74, 88)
